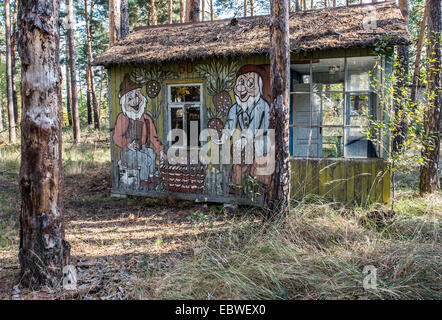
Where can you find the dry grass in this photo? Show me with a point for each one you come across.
(317, 252)
(154, 249)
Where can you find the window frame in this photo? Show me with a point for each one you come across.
(374, 103)
(176, 105)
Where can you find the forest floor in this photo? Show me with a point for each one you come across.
(138, 248)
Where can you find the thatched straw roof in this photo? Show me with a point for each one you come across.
(341, 27)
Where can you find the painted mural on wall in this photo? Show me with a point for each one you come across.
(136, 134)
(239, 99)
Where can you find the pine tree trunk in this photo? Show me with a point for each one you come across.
(124, 20)
(429, 172)
(73, 73)
(88, 97)
(89, 58)
(169, 12)
(181, 11)
(417, 61)
(245, 8)
(114, 21)
(43, 249)
(203, 9)
(211, 10)
(401, 94)
(68, 88)
(194, 11)
(252, 8)
(153, 13)
(188, 4)
(279, 109)
(13, 42)
(10, 97)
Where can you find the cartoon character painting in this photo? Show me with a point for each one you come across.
(136, 135)
(251, 112)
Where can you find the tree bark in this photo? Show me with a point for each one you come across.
(211, 10)
(13, 73)
(73, 73)
(181, 11)
(88, 97)
(114, 21)
(9, 92)
(401, 91)
(429, 171)
(124, 19)
(194, 11)
(417, 61)
(252, 8)
(169, 12)
(89, 58)
(245, 8)
(68, 88)
(203, 10)
(279, 108)
(43, 249)
(153, 13)
(188, 4)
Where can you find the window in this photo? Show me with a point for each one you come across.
(184, 102)
(331, 104)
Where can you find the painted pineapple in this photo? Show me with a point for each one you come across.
(151, 78)
(220, 80)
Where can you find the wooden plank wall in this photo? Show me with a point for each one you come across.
(359, 181)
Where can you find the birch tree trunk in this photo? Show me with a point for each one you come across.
(417, 61)
(401, 92)
(9, 92)
(429, 171)
(43, 249)
(124, 19)
(73, 73)
(114, 21)
(279, 109)
(153, 13)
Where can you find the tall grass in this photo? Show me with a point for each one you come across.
(319, 251)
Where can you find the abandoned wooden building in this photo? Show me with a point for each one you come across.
(216, 75)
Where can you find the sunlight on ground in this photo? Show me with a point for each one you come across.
(140, 248)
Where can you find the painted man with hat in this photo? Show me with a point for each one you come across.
(136, 135)
(250, 114)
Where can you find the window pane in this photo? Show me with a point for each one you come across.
(328, 74)
(332, 142)
(360, 71)
(185, 94)
(359, 110)
(357, 145)
(193, 119)
(332, 109)
(300, 74)
(176, 120)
